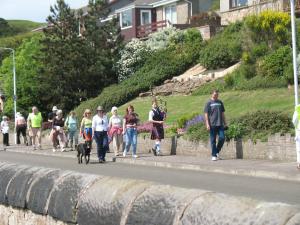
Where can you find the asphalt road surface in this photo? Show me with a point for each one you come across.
(271, 190)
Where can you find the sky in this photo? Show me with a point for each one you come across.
(34, 10)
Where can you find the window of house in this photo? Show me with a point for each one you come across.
(171, 14)
(238, 3)
(126, 19)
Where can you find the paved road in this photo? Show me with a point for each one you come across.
(259, 188)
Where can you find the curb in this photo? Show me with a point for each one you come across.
(238, 171)
(180, 166)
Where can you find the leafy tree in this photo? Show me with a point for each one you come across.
(5, 29)
(28, 66)
(77, 67)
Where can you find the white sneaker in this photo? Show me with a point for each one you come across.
(214, 158)
(134, 156)
(54, 149)
(218, 157)
(63, 149)
(124, 154)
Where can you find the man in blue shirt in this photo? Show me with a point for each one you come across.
(214, 112)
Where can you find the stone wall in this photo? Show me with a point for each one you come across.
(236, 14)
(281, 148)
(43, 196)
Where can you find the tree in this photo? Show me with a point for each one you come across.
(28, 67)
(5, 29)
(77, 67)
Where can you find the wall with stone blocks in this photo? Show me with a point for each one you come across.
(280, 148)
(44, 196)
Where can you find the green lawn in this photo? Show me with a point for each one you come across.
(236, 103)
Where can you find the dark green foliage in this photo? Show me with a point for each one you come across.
(162, 65)
(257, 125)
(273, 64)
(223, 50)
(181, 121)
(260, 125)
(5, 29)
(192, 36)
(197, 132)
(78, 67)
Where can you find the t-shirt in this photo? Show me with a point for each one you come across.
(71, 123)
(131, 119)
(4, 127)
(214, 109)
(36, 120)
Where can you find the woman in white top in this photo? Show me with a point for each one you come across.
(100, 127)
(5, 131)
(115, 130)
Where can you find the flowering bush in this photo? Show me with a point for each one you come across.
(132, 57)
(145, 127)
(161, 39)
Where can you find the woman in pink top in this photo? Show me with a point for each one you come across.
(115, 131)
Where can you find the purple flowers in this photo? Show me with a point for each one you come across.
(197, 119)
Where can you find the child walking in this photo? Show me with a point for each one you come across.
(5, 131)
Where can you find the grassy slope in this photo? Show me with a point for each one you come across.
(236, 103)
(24, 25)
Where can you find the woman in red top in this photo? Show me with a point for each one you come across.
(130, 123)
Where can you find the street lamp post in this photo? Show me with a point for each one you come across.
(294, 51)
(15, 89)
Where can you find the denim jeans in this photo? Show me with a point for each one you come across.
(131, 139)
(101, 139)
(73, 136)
(214, 131)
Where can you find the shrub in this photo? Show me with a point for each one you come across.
(197, 132)
(132, 58)
(223, 50)
(270, 27)
(162, 38)
(182, 121)
(162, 65)
(220, 53)
(192, 36)
(273, 65)
(260, 124)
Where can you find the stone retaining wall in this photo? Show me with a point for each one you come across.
(281, 148)
(43, 196)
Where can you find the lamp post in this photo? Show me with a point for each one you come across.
(15, 89)
(294, 51)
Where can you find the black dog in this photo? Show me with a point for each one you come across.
(83, 150)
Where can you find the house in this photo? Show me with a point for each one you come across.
(138, 18)
(234, 10)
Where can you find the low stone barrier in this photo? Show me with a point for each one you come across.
(44, 196)
(278, 147)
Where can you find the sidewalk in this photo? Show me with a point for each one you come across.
(255, 168)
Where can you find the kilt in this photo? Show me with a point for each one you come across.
(157, 131)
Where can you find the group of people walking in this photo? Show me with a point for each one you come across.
(121, 131)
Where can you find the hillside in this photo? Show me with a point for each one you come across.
(237, 103)
(23, 26)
